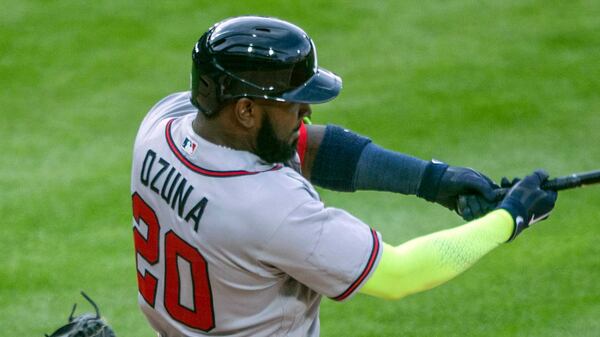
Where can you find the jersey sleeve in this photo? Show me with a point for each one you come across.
(327, 249)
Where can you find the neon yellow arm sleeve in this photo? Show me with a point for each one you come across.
(428, 261)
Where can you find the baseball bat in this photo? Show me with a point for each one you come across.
(563, 183)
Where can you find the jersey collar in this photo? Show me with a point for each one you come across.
(206, 158)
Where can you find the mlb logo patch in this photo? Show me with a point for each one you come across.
(189, 146)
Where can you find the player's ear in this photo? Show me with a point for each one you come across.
(247, 112)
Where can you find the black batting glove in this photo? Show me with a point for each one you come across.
(444, 184)
(527, 203)
(471, 207)
(507, 183)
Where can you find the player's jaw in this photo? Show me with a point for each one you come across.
(279, 129)
(272, 149)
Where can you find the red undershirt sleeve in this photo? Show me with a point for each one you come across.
(302, 142)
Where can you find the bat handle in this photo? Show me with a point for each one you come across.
(562, 183)
(557, 184)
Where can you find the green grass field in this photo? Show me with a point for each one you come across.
(501, 86)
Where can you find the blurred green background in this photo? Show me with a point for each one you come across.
(501, 86)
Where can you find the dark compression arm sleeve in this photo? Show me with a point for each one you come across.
(337, 159)
(383, 170)
(347, 161)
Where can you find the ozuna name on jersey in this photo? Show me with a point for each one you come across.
(168, 183)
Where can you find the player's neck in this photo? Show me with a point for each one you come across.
(214, 131)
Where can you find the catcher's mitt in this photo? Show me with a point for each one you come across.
(86, 325)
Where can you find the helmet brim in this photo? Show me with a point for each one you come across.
(322, 87)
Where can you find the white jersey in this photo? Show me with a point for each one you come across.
(228, 245)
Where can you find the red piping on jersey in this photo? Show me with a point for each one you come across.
(302, 138)
(203, 171)
(365, 272)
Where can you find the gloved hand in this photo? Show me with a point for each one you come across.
(444, 184)
(86, 325)
(528, 203)
(471, 207)
(506, 183)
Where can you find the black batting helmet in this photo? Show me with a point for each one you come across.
(252, 56)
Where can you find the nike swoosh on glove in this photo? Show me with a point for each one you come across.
(527, 203)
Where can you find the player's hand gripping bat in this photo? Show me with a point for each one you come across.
(471, 207)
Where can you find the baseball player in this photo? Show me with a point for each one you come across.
(231, 237)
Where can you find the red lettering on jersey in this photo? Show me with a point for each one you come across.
(147, 247)
(201, 315)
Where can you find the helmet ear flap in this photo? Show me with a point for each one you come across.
(205, 92)
(205, 82)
